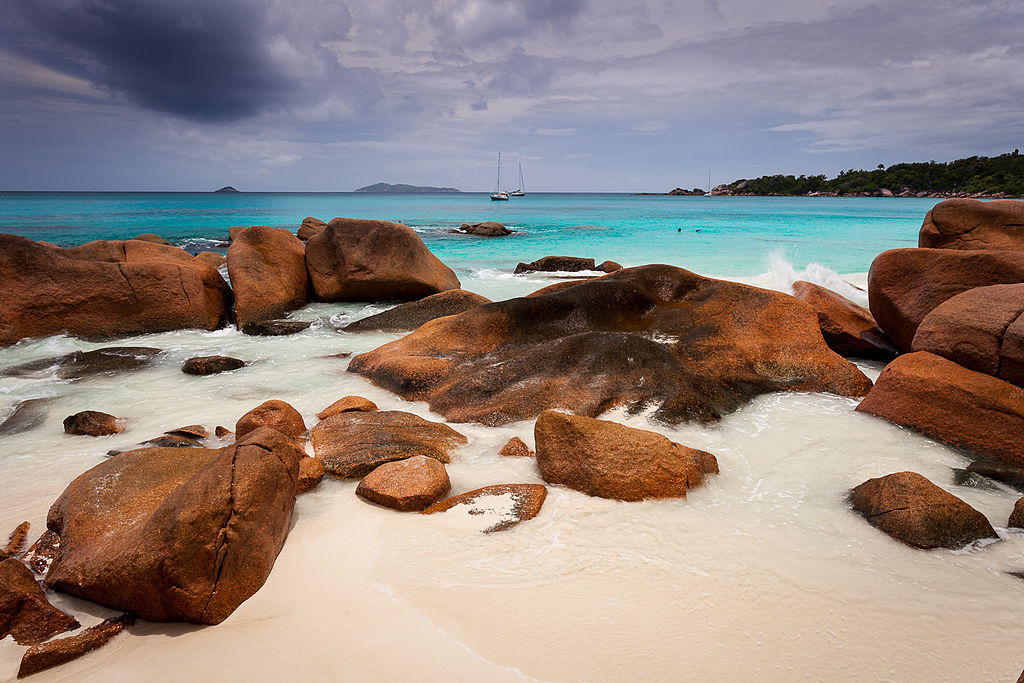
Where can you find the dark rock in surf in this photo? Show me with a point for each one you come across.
(274, 328)
(81, 364)
(211, 365)
(409, 316)
(551, 264)
(485, 229)
(26, 415)
(1007, 474)
(93, 423)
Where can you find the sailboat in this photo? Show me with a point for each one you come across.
(521, 192)
(498, 195)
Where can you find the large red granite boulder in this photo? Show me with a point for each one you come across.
(410, 315)
(981, 329)
(609, 460)
(353, 444)
(653, 336)
(101, 290)
(406, 485)
(960, 407)
(267, 268)
(905, 285)
(25, 613)
(275, 414)
(915, 511)
(364, 260)
(974, 224)
(177, 534)
(849, 329)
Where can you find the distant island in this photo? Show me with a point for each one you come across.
(381, 188)
(980, 177)
(226, 188)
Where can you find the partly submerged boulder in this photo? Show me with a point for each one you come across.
(353, 444)
(1007, 474)
(364, 260)
(905, 285)
(557, 264)
(93, 423)
(1017, 516)
(275, 328)
(485, 229)
(276, 414)
(498, 507)
(310, 226)
(105, 289)
(109, 361)
(211, 365)
(973, 224)
(25, 613)
(516, 448)
(176, 534)
(960, 407)
(25, 415)
(267, 268)
(981, 329)
(609, 460)
(849, 330)
(915, 511)
(653, 336)
(406, 485)
(408, 316)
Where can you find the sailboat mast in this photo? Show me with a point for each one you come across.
(497, 185)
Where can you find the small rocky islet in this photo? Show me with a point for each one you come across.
(187, 531)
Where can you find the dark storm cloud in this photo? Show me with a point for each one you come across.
(202, 60)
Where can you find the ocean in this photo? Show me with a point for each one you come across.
(763, 573)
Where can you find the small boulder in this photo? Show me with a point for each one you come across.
(93, 423)
(61, 651)
(353, 444)
(609, 267)
(915, 511)
(905, 285)
(274, 328)
(609, 460)
(849, 330)
(347, 404)
(406, 485)
(310, 226)
(25, 613)
(499, 507)
(190, 431)
(981, 329)
(211, 365)
(1016, 520)
(962, 408)
(411, 315)
(173, 441)
(151, 237)
(275, 414)
(311, 473)
(485, 229)
(516, 448)
(267, 269)
(973, 224)
(557, 264)
(212, 258)
(365, 260)
(221, 432)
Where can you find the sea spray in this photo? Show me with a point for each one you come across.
(784, 274)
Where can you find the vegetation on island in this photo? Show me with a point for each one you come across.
(1001, 176)
(400, 188)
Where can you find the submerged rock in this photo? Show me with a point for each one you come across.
(267, 268)
(409, 316)
(973, 224)
(351, 445)
(347, 404)
(485, 229)
(275, 414)
(275, 328)
(176, 534)
(502, 505)
(406, 485)
(211, 365)
(849, 330)
(56, 652)
(363, 260)
(102, 290)
(516, 448)
(962, 408)
(905, 285)
(609, 460)
(554, 264)
(110, 361)
(915, 511)
(653, 336)
(1007, 474)
(27, 414)
(25, 613)
(981, 329)
(93, 423)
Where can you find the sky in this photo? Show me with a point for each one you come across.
(588, 95)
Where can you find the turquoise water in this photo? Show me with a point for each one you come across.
(723, 236)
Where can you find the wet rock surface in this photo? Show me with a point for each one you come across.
(347, 404)
(63, 650)
(409, 316)
(516, 448)
(351, 445)
(502, 505)
(176, 534)
(1007, 474)
(109, 361)
(609, 460)
(275, 328)
(26, 415)
(406, 485)
(93, 423)
(25, 613)
(554, 264)
(654, 336)
(915, 511)
(849, 329)
(211, 365)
